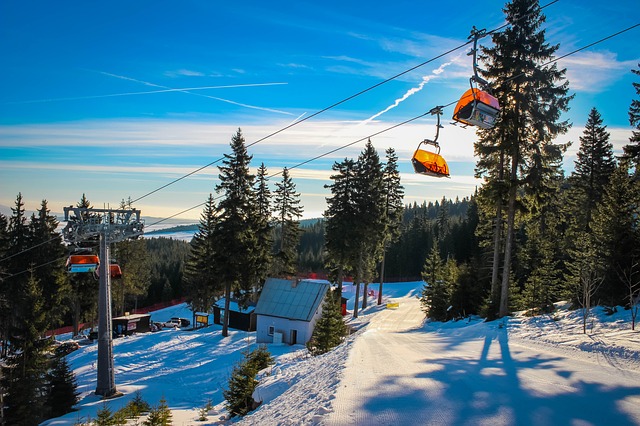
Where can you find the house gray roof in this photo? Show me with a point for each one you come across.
(233, 306)
(286, 299)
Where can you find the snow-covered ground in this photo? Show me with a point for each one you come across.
(395, 369)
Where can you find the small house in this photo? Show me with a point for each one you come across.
(288, 310)
(240, 318)
(127, 324)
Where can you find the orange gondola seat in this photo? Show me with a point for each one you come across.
(82, 263)
(477, 108)
(115, 271)
(429, 163)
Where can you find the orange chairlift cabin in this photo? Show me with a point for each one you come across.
(82, 263)
(114, 270)
(477, 107)
(428, 162)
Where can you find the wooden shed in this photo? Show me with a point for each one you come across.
(128, 324)
(240, 318)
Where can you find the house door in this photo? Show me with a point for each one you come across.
(294, 337)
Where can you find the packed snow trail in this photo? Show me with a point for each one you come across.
(400, 372)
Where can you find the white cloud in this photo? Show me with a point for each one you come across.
(594, 71)
(184, 73)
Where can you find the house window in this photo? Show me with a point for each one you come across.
(271, 330)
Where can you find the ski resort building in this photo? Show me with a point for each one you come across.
(288, 310)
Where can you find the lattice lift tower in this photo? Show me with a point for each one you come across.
(110, 226)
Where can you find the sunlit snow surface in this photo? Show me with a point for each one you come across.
(395, 369)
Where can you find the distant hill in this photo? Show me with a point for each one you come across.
(194, 227)
(180, 228)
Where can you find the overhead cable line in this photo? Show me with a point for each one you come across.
(414, 118)
(312, 159)
(295, 123)
(30, 248)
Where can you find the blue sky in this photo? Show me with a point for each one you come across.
(116, 99)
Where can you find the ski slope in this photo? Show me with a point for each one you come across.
(396, 369)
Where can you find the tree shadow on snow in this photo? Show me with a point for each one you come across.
(497, 388)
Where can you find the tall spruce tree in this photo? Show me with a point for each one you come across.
(393, 194)
(532, 95)
(63, 388)
(24, 376)
(287, 212)
(235, 239)
(593, 168)
(371, 224)
(263, 225)
(436, 291)
(341, 219)
(48, 254)
(17, 263)
(632, 150)
(201, 283)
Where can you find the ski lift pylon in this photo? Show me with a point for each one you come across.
(477, 107)
(427, 162)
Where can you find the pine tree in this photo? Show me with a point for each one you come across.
(17, 263)
(435, 298)
(240, 388)
(616, 230)
(24, 380)
(593, 168)
(48, 254)
(393, 208)
(235, 250)
(159, 415)
(341, 218)
(260, 358)
(287, 211)
(63, 388)
(531, 102)
(370, 226)
(201, 283)
(632, 150)
(264, 257)
(330, 328)
(104, 416)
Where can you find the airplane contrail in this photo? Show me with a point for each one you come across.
(198, 94)
(165, 89)
(410, 92)
(111, 95)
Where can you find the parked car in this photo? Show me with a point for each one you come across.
(66, 348)
(177, 322)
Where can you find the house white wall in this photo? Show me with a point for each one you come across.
(284, 326)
